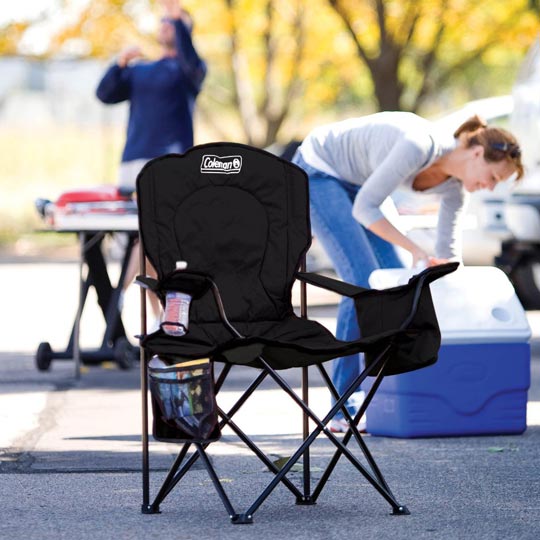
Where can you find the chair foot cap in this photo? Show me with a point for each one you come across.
(150, 509)
(401, 511)
(241, 519)
(305, 501)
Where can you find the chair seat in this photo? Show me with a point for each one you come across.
(286, 343)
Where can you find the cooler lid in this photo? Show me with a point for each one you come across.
(475, 304)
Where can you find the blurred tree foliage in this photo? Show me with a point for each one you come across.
(280, 58)
(273, 62)
(413, 48)
(10, 37)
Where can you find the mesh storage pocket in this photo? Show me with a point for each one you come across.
(183, 398)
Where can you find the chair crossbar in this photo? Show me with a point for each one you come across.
(321, 428)
(175, 474)
(173, 478)
(352, 432)
(375, 477)
(336, 396)
(258, 452)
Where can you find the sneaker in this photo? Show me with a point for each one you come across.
(340, 425)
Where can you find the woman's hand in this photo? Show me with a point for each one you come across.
(422, 260)
(434, 261)
(388, 232)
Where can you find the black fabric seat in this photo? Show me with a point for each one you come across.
(239, 217)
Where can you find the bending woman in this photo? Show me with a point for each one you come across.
(353, 168)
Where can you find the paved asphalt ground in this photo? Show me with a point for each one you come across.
(70, 451)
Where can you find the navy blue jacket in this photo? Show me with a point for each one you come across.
(162, 98)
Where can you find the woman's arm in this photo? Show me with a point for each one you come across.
(388, 232)
(405, 159)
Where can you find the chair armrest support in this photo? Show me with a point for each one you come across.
(147, 282)
(330, 284)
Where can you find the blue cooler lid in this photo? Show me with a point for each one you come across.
(474, 304)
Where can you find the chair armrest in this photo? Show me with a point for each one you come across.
(407, 312)
(192, 283)
(195, 284)
(330, 284)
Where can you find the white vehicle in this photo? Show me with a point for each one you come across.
(520, 254)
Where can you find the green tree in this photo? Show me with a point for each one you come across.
(268, 59)
(413, 48)
(282, 58)
(10, 36)
(267, 50)
(275, 63)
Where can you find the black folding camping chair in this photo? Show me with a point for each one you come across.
(239, 217)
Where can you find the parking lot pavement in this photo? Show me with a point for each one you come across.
(70, 454)
(76, 472)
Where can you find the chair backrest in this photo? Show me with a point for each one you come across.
(236, 213)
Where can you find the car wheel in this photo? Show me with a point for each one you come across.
(44, 356)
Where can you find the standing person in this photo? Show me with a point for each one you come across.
(355, 165)
(161, 96)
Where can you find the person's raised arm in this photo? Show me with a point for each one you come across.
(192, 65)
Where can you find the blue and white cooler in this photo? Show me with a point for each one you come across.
(479, 384)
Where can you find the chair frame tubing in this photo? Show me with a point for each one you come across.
(306, 495)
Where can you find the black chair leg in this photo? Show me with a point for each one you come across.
(307, 497)
(397, 508)
(217, 484)
(381, 487)
(172, 477)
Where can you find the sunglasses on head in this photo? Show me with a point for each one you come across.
(513, 150)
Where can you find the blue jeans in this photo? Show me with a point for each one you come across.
(355, 253)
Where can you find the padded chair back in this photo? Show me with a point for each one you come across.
(235, 213)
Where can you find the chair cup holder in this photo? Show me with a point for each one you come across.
(183, 399)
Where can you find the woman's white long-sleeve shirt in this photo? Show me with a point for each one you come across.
(383, 152)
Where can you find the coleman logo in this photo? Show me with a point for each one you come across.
(221, 164)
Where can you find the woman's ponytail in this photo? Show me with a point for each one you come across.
(474, 123)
